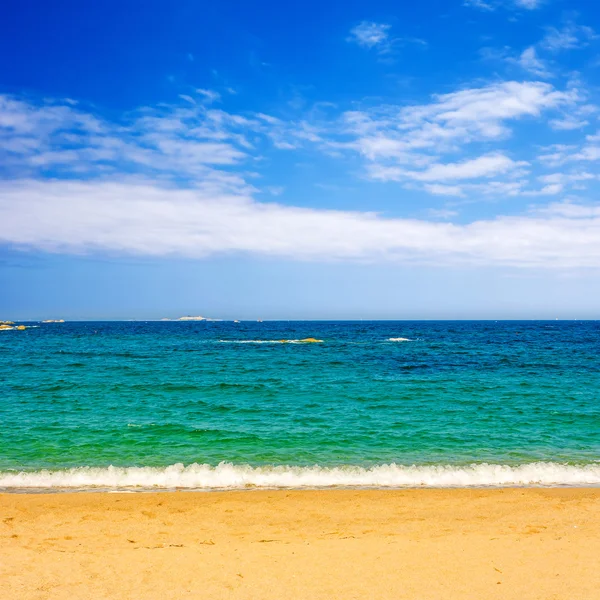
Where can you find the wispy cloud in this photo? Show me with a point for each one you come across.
(174, 181)
(457, 144)
(570, 37)
(481, 167)
(438, 189)
(189, 141)
(410, 144)
(376, 36)
(568, 123)
(443, 147)
(530, 62)
(491, 5)
(529, 4)
(442, 213)
(369, 34)
(209, 95)
(482, 4)
(586, 151)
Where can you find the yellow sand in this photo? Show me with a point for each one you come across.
(284, 545)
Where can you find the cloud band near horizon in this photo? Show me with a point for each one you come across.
(150, 218)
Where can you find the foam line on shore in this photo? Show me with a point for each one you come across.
(230, 476)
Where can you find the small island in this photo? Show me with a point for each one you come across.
(188, 318)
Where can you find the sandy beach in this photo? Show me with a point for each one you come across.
(418, 544)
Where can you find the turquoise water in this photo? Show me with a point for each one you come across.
(445, 403)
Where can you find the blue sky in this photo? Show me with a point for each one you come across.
(374, 159)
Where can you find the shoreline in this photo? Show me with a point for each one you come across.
(230, 476)
(429, 543)
(251, 489)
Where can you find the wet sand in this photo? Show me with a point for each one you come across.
(420, 544)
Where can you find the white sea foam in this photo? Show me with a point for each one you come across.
(255, 341)
(263, 341)
(399, 339)
(230, 476)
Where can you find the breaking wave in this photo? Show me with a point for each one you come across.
(305, 341)
(230, 476)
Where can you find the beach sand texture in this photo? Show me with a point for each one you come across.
(417, 544)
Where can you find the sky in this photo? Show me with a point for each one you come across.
(314, 160)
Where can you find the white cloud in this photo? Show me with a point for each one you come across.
(565, 156)
(275, 190)
(497, 188)
(570, 37)
(209, 95)
(528, 4)
(482, 4)
(570, 210)
(22, 118)
(411, 143)
(187, 98)
(429, 146)
(438, 189)
(488, 105)
(490, 5)
(510, 188)
(560, 154)
(482, 166)
(556, 154)
(442, 213)
(474, 113)
(174, 181)
(529, 61)
(370, 34)
(151, 219)
(568, 123)
(187, 141)
(587, 153)
(595, 137)
(551, 189)
(554, 178)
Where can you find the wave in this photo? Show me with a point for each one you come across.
(231, 476)
(304, 341)
(257, 341)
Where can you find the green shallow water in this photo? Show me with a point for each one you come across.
(155, 394)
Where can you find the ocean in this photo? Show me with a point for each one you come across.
(223, 405)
